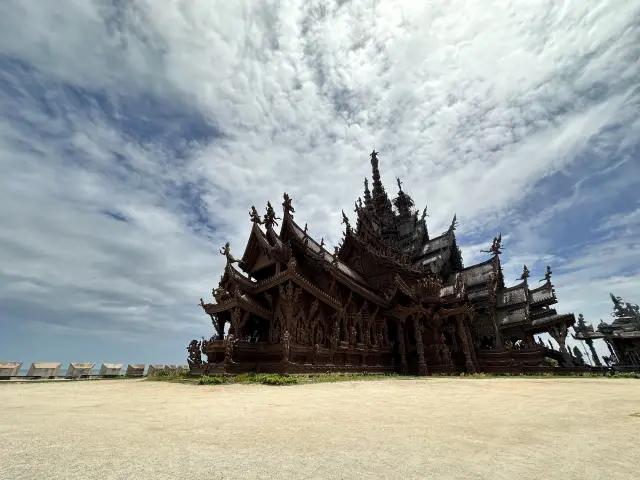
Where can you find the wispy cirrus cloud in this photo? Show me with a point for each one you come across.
(135, 138)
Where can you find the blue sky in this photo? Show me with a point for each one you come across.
(134, 140)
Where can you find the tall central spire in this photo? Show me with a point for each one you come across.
(381, 201)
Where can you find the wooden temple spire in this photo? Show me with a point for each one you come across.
(381, 201)
(368, 202)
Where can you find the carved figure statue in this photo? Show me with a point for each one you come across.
(459, 285)
(345, 220)
(495, 248)
(336, 252)
(287, 206)
(270, 217)
(320, 334)
(221, 294)
(547, 275)
(444, 352)
(316, 353)
(445, 355)
(255, 216)
(226, 251)
(380, 340)
(353, 334)
(322, 242)
(228, 351)
(424, 213)
(286, 346)
(335, 334)
(525, 273)
(275, 334)
(302, 338)
(195, 353)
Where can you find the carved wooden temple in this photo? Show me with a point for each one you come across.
(622, 336)
(390, 298)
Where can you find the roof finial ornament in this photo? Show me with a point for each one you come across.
(270, 217)
(322, 243)
(399, 183)
(547, 275)
(496, 246)
(454, 223)
(525, 273)
(345, 221)
(286, 205)
(255, 216)
(424, 213)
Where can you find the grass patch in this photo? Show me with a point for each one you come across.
(294, 379)
(244, 378)
(277, 379)
(164, 376)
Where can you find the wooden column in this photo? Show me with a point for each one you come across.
(594, 354)
(465, 344)
(614, 354)
(422, 364)
(401, 349)
(472, 347)
(559, 334)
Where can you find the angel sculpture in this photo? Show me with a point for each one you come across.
(255, 216)
(287, 206)
(270, 217)
(547, 275)
(226, 251)
(496, 245)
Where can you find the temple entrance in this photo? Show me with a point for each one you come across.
(487, 343)
(410, 346)
(256, 330)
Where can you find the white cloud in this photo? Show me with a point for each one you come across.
(475, 106)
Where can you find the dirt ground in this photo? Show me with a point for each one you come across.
(440, 428)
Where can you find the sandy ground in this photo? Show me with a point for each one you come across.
(435, 428)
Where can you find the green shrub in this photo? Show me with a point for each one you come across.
(214, 380)
(550, 362)
(284, 379)
(164, 376)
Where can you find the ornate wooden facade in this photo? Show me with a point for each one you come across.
(390, 298)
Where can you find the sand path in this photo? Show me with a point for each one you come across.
(430, 428)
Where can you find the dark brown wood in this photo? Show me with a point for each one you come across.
(290, 306)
